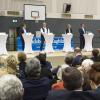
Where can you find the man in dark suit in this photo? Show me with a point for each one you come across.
(68, 29)
(22, 30)
(43, 30)
(82, 31)
(73, 81)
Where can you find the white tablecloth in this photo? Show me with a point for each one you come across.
(3, 40)
(28, 43)
(49, 40)
(67, 42)
(88, 41)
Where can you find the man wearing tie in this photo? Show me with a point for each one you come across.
(43, 30)
(82, 31)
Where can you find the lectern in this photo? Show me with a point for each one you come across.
(48, 42)
(3, 40)
(67, 42)
(28, 42)
(88, 41)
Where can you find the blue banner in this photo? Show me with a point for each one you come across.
(58, 43)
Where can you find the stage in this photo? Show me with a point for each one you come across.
(56, 58)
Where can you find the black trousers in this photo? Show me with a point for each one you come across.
(42, 42)
(82, 42)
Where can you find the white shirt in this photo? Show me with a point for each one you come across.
(45, 30)
(83, 29)
(25, 32)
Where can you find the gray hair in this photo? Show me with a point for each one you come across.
(11, 88)
(33, 68)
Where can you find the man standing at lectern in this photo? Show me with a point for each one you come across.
(82, 31)
(43, 30)
(20, 31)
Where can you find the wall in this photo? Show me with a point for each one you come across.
(57, 26)
(55, 7)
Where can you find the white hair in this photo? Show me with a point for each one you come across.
(86, 64)
(11, 88)
(33, 67)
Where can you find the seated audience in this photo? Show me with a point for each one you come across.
(78, 57)
(95, 55)
(73, 81)
(22, 63)
(10, 88)
(35, 87)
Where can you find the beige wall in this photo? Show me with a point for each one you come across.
(55, 7)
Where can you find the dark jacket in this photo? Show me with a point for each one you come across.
(74, 95)
(67, 31)
(77, 60)
(81, 32)
(36, 89)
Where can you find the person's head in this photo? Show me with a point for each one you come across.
(11, 61)
(86, 64)
(33, 68)
(77, 50)
(95, 52)
(44, 24)
(11, 88)
(83, 25)
(68, 26)
(21, 56)
(68, 60)
(42, 56)
(72, 78)
(2, 62)
(94, 73)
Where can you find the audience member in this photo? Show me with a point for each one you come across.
(95, 55)
(10, 88)
(86, 65)
(22, 63)
(78, 56)
(45, 66)
(73, 81)
(11, 66)
(94, 75)
(35, 87)
(68, 63)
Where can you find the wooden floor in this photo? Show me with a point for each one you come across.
(56, 58)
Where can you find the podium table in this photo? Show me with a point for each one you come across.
(28, 42)
(49, 40)
(3, 40)
(67, 42)
(88, 41)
